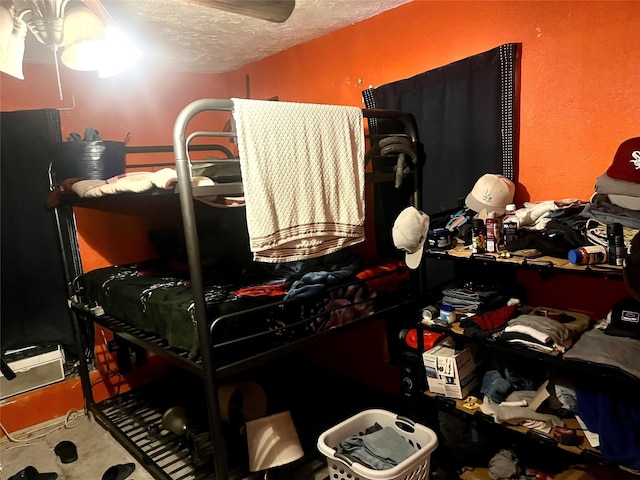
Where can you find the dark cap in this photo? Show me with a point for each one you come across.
(625, 319)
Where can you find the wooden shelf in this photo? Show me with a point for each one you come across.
(580, 369)
(543, 263)
(475, 473)
(575, 473)
(582, 449)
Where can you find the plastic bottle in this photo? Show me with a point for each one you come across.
(493, 232)
(616, 248)
(478, 233)
(448, 314)
(509, 224)
(588, 255)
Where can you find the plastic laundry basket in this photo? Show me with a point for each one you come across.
(416, 467)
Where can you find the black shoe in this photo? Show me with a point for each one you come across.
(118, 472)
(30, 473)
(67, 451)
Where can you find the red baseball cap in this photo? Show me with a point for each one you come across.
(626, 162)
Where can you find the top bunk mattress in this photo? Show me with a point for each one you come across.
(248, 312)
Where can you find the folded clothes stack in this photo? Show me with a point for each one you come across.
(617, 191)
(467, 300)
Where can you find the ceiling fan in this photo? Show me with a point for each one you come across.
(276, 11)
(47, 20)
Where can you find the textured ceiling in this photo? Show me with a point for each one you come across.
(177, 35)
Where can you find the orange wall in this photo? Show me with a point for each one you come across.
(59, 399)
(144, 104)
(579, 94)
(141, 103)
(579, 89)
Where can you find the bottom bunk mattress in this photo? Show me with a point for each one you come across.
(247, 311)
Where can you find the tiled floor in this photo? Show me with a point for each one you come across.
(97, 451)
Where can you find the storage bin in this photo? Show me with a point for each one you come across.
(98, 160)
(416, 467)
(33, 372)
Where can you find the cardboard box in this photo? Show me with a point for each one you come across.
(450, 371)
(32, 371)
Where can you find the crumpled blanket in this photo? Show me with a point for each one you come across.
(379, 450)
(344, 306)
(132, 182)
(595, 346)
(535, 215)
(312, 283)
(518, 415)
(504, 465)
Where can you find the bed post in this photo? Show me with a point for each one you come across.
(183, 169)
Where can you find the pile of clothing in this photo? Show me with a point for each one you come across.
(617, 191)
(556, 226)
(380, 448)
(541, 329)
(548, 334)
(617, 196)
(516, 398)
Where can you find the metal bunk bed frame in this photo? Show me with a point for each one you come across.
(206, 367)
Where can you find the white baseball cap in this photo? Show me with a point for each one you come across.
(410, 233)
(492, 192)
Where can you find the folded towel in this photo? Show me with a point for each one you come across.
(303, 177)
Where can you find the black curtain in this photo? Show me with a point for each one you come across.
(34, 279)
(466, 117)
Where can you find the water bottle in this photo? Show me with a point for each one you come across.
(510, 224)
(493, 232)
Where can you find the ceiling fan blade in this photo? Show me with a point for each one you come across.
(276, 11)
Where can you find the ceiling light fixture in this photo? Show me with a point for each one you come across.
(83, 30)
